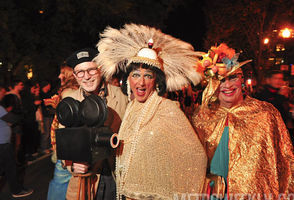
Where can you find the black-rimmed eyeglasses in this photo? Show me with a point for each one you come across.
(90, 71)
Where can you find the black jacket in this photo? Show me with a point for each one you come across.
(271, 95)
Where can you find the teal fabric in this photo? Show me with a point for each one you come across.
(220, 162)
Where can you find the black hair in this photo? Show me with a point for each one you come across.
(44, 83)
(9, 100)
(160, 79)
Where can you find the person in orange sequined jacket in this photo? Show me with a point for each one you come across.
(246, 141)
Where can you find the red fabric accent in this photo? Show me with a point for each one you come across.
(68, 163)
(208, 192)
(272, 90)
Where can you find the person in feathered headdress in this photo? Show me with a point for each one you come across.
(161, 155)
(248, 146)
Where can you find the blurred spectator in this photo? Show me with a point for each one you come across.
(270, 92)
(188, 104)
(2, 92)
(31, 136)
(7, 161)
(288, 106)
(47, 114)
(38, 113)
(14, 100)
(115, 81)
(58, 185)
(67, 84)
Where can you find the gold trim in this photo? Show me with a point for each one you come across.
(147, 61)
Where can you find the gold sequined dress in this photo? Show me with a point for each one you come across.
(260, 150)
(161, 156)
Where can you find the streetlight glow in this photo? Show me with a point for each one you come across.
(286, 33)
(249, 81)
(30, 74)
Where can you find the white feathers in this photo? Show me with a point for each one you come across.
(118, 47)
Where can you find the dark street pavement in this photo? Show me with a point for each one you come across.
(37, 175)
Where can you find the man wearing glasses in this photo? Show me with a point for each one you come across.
(89, 77)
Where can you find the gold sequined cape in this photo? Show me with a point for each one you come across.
(168, 160)
(260, 150)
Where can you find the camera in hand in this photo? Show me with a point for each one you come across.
(84, 138)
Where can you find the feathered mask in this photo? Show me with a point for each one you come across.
(142, 44)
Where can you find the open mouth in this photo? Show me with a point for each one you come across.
(141, 91)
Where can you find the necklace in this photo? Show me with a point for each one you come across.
(122, 168)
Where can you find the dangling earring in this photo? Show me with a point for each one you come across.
(157, 89)
(128, 90)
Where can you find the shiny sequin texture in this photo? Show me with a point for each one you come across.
(161, 155)
(261, 162)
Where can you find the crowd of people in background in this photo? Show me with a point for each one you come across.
(11, 120)
(30, 136)
(30, 111)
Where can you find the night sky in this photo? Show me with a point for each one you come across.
(188, 24)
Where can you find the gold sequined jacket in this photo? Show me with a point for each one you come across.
(161, 156)
(260, 151)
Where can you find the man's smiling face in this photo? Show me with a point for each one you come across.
(230, 91)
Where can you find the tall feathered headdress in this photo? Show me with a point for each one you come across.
(142, 44)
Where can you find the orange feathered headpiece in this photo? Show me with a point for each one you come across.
(220, 62)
